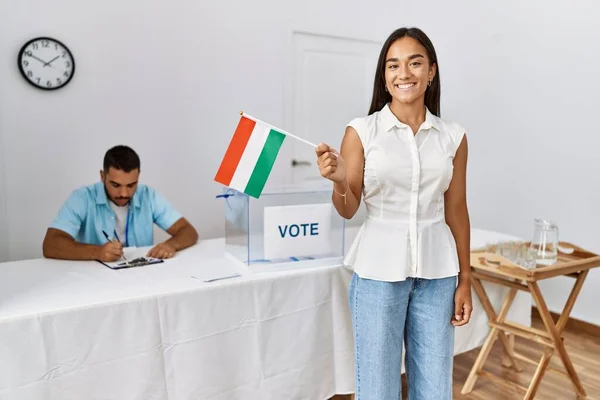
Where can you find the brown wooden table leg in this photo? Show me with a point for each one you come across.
(492, 335)
(539, 374)
(564, 316)
(506, 362)
(491, 314)
(556, 330)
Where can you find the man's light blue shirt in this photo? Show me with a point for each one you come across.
(86, 213)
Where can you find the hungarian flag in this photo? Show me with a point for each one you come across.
(250, 156)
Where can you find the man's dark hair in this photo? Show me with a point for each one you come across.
(122, 158)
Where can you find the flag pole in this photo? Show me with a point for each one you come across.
(277, 129)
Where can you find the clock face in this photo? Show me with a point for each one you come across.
(46, 63)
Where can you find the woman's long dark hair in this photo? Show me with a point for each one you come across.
(432, 94)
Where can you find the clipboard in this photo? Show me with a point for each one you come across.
(134, 263)
(136, 257)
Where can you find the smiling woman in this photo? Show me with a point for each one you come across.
(423, 65)
(411, 281)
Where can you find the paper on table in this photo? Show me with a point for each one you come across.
(217, 271)
(136, 257)
(135, 252)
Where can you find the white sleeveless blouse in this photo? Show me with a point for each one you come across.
(405, 176)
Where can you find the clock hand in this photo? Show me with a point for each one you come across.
(39, 59)
(51, 61)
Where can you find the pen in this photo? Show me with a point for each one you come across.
(108, 238)
(219, 278)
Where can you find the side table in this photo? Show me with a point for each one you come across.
(491, 267)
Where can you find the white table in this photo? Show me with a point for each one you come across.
(78, 330)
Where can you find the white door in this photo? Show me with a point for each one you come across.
(332, 83)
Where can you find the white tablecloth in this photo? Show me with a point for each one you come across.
(78, 330)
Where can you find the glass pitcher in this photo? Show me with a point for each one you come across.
(544, 245)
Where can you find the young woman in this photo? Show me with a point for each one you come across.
(411, 281)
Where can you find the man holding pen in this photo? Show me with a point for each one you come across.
(98, 220)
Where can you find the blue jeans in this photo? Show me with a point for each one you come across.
(387, 314)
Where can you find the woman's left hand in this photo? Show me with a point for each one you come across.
(462, 304)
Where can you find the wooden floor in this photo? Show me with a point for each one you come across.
(583, 346)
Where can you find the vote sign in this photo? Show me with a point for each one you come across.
(297, 231)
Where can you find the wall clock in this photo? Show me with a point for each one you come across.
(46, 63)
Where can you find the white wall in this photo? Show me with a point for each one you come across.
(169, 80)
(522, 77)
(3, 220)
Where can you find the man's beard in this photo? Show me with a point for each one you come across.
(116, 198)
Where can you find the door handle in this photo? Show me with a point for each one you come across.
(296, 163)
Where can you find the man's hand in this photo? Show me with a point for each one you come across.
(162, 251)
(462, 304)
(111, 251)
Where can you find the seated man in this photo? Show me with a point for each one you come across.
(120, 208)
